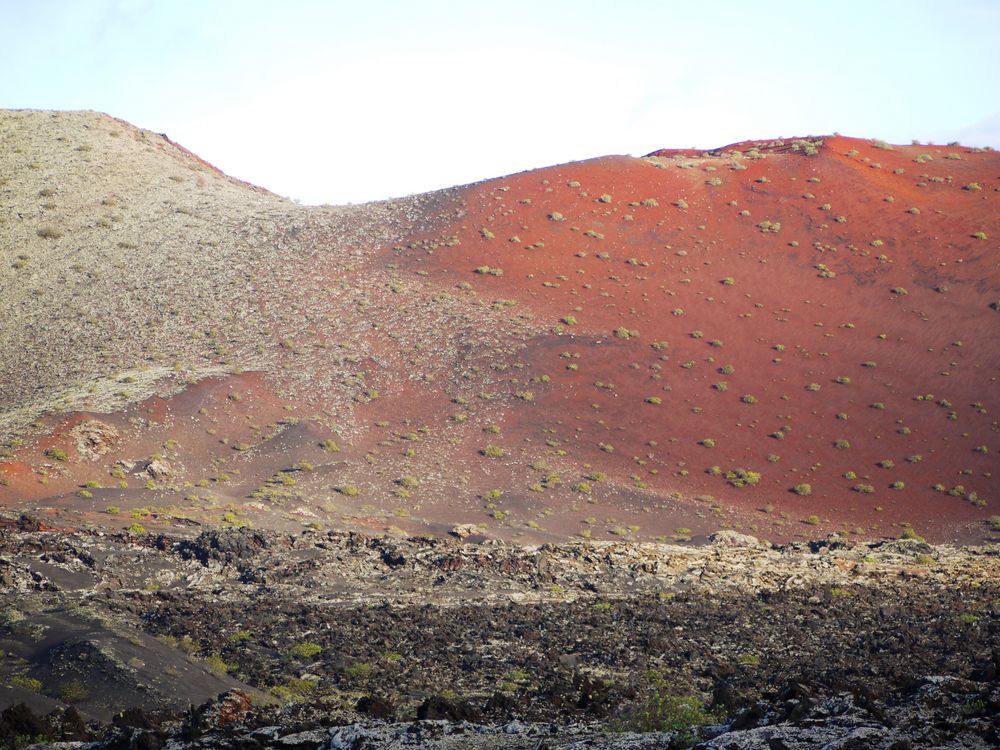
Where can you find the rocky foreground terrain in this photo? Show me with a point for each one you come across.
(247, 638)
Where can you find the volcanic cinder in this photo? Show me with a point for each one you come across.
(789, 338)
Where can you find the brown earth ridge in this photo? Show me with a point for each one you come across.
(792, 338)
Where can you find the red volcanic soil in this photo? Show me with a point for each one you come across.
(852, 349)
(792, 340)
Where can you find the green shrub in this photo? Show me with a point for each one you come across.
(665, 712)
(73, 692)
(909, 533)
(28, 683)
(742, 477)
(305, 650)
(359, 672)
(294, 689)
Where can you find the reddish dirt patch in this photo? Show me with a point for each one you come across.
(852, 338)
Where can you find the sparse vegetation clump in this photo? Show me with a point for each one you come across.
(663, 711)
(742, 477)
(28, 683)
(305, 650)
(909, 533)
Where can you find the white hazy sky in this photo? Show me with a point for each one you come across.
(336, 102)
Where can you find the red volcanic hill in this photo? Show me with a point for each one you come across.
(791, 338)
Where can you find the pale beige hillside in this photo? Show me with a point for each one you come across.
(127, 265)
